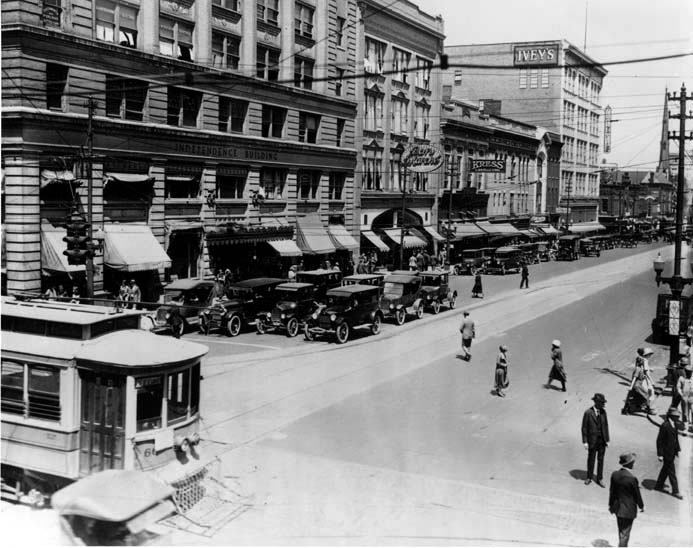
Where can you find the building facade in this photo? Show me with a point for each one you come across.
(632, 193)
(398, 105)
(550, 84)
(222, 136)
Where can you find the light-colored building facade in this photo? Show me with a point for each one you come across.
(399, 105)
(551, 84)
(219, 128)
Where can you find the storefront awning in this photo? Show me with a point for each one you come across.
(548, 230)
(410, 241)
(130, 178)
(312, 237)
(52, 247)
(465, 230)
(581, 228)
(132, 248)
(183, 226)
(50, 176)
(286, 248)
(341, 237)
(373, 238)
(432, 231)
(531, 233)
(498, 229)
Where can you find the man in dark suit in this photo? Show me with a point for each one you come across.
(595, 437)
(624, 496)
(667, 450)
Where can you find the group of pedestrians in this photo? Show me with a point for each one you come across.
(58, 293)
(129, 294)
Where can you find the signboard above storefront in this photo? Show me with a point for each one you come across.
(535, 55)
(422, 158)
(486, 166)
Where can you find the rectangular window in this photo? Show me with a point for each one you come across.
(232, 114)
(272, 183)
(303, 73)
(233, 5)
(177, 396)
(183, 107)
(523, 78)
(13, 388)
(303, 20)
(43, 392)
(182, 182)
(421, 123)
(176, 39)
(267, 64)
(336, 186)
(339, 82)
(125, 98)
(341, 124)
(116, 23)
(375, 56)
(339, 34)
(458, 77)
(396, 170)
(308, 126)
(372, 170)
(273, 121)
(400, 64)
(268, 11)
(231, 182)
(308, 184)
(544, 77)
(533, 78)
(56, 83)
(400, 120)
(374, 112)
(150, 397)
(226, 51)
(423, 73)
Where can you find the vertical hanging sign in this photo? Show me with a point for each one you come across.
(607, 129)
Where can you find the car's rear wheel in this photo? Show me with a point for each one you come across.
(292, 327)
(261, 327)
(203, 325)
(178, 329)
(342, 333)
(375, 326)
(400, 316)
(451, 302)
(307, 334)
(420, 311)
(233, 326)
(435, 306)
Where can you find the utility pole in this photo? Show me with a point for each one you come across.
(90, 192)
(453, 167)
(401, 220)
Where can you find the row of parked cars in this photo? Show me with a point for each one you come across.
(316, 302)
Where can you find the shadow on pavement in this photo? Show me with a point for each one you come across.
(648, 484)
(600, 542)
(580, 475)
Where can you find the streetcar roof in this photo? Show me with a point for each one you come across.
(53, 311)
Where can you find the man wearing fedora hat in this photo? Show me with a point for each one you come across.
(667, 450)
(595, 437)
(624, 497)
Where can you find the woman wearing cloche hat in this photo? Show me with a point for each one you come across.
(501, 377)
(557, 371)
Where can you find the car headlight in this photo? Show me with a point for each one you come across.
(428, 297)
(168, 315)
(283, 316)
(333, 317)
(315, 315)
(293, 305)
(392, 306)
(269, 315)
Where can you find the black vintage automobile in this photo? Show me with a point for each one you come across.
(321, 279)
(589, 247)
(544, 251)
(364, 279)
(435, 290)
(506, 259)
(185, 298)
(473, 260)
(568, 248)
(295, 302)
(402, 296)
(347, 308)
(530, 252)
(243, 302)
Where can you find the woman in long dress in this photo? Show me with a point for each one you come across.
(501, 376)
(642, 377)
(477, 290)
(557, 371)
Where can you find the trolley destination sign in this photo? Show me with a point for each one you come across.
(422, 158)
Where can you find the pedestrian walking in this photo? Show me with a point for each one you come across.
(641, 383)
(557, 370)
(477, 290)
(75, 298)
(624, 497)
(501, 375)
(595, 438)
(524, 282)
(412, 262)
(684, 388)
(676, 374)
(420, 261)
(468, 332)
(668, 449)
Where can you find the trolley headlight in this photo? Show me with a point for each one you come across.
(293, 305)
(194, 439)
(168, 315)
(333, 317)
(181, 443)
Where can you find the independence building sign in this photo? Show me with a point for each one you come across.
(486, 166)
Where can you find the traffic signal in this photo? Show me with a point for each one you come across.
(77, 239)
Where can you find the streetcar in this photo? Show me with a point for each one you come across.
(84, 389)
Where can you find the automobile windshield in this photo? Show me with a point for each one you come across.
(339, 300)
(239, 293)
(287, 295)
(392, 289)
(431, 281)
(172, 295)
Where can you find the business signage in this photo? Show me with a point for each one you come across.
(486, 166)
(422, 158)
(532, 56)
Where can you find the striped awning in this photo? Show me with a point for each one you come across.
(286, 248)
(581, 228)
(410, 241)
(52, 247)
(432, 231)
(312, 237)
(548, 230)
(373, 238)
(133, 248)
(499, 229)
(341, 237)
(463, 230)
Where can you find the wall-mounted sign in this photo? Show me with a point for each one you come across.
(527, 56)
(486, 166)
(422, 158)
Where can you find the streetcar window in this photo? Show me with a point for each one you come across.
(12, 388)
(150, 395)
(65, 330)
(7, 322)
(195, 389)
(44, 393)
(177, 396)
(127, 322)
(99, 328)
(29, 325)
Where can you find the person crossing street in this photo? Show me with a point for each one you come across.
(625, 497)
(668, 449)
(501, 376)
(468, 332)
(524, 281)
(595, 437)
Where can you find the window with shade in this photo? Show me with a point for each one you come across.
(116, 23)
(182, 181)
(268, 11)
(373, 112)
(176, 38)
(375, 56)
(400, 118)
(372, 170)
(32, 391)
(422, 121)
(339, 34)
(400, 64)
(183, 107)
(308, 184)
(233, 5)
(339, 82)
(272, 183)
(423, 73)
(341, 124)
(231, 181)
(396, 170)
(232, 114)
(336, 186)
(225, 51)
(273, 119)
(303, 20)
(308, 126)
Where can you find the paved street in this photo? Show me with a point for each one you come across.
(399, 442)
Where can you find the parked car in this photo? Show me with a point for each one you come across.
(295, 302)
(473, 260)
(364, 279)
(402, 296)
(186, 298)
(530, 252)
(321, 279)
(243, 302)
(588, 247)
(629, 240)
(505, 259)
(435, 290)
(568, 248)
(544, 251)
(347, 308)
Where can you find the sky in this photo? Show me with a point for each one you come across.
(616, 30)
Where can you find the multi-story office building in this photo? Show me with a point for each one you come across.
(222, 130)
(636, 193)
(550, 84)
(399, 105)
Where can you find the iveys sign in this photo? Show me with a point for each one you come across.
(422, 158)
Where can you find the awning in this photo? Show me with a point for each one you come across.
(432, 232)
(312, 237)
(410, 241)
(373, 238)
(131, 178)
(52, 247)
(531, 233)
(182, 226)
(465, 230)
(581, 228)
(50, 176)
(341, 237)
(547, 230)
(286, 248)
(499, 229)
(132, 248)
